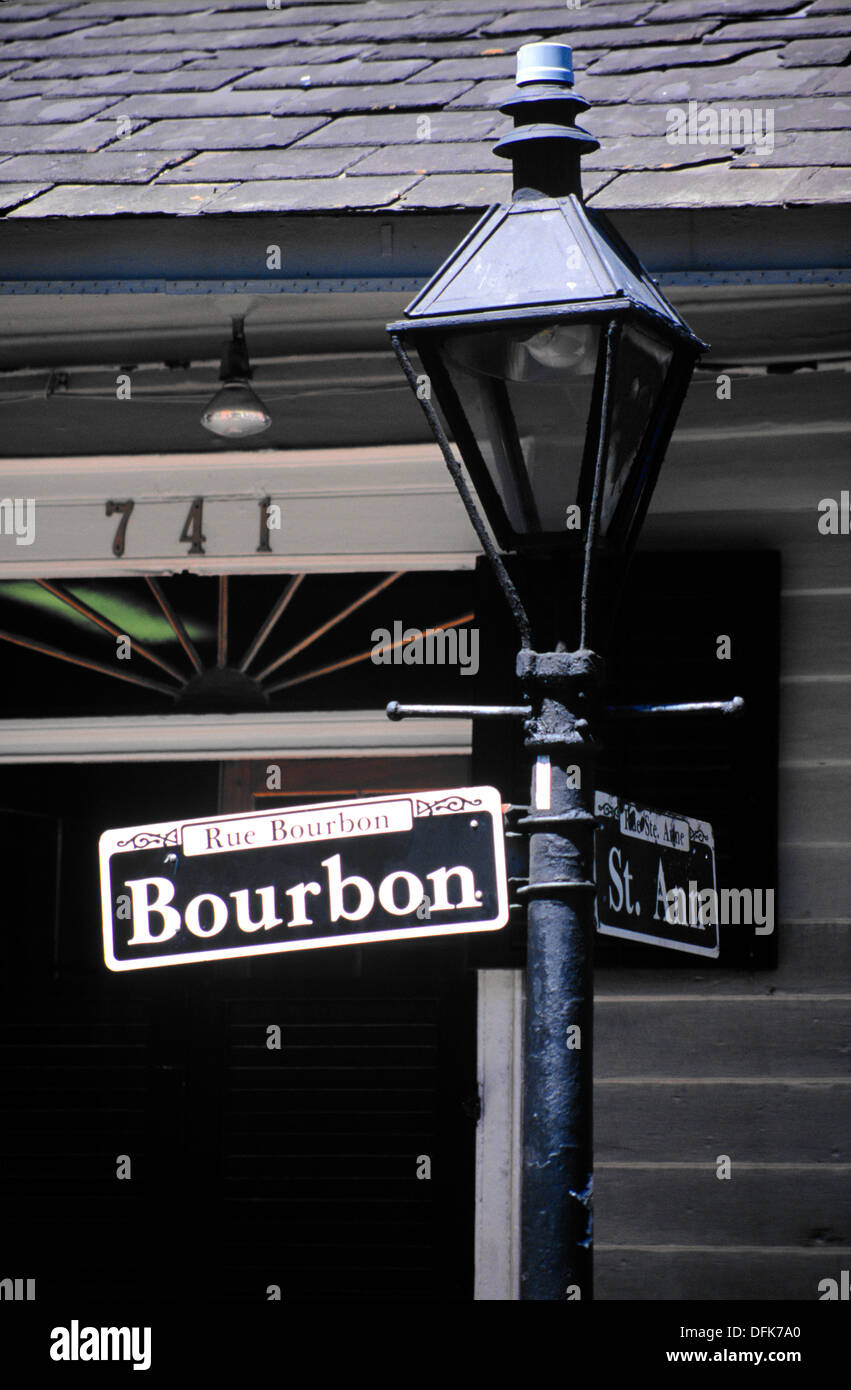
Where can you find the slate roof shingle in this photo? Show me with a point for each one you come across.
(212, 106)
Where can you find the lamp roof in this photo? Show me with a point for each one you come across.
(539, 252)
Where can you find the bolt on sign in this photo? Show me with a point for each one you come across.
(655, 875)
(342, 873)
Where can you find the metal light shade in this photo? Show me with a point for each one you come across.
(235, 412)
(549, 348)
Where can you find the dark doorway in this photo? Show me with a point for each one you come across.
(252, 1167)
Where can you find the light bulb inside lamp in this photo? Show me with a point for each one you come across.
(551, 353)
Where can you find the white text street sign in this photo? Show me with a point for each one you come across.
(334, 874)
(655, 876)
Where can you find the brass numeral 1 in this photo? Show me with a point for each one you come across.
(264, 525)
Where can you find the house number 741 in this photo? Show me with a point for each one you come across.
(193, 533)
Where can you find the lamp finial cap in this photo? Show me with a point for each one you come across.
(544, 62)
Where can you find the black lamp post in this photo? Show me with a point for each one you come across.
(559, 369)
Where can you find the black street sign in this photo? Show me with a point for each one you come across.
(335, 874)
(655, 874)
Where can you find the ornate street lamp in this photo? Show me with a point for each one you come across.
(559, 369)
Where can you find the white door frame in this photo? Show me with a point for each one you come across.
(189, 738)
(501, 1006)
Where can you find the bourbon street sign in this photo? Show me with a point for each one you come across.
(655, 875)
(383, 869)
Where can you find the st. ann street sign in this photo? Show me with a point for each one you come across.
(655, 876)
(388, 868)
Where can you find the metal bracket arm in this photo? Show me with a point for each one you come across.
(734, 706)
(395, 710)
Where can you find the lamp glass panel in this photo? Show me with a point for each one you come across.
(526, 392)
(641, 369)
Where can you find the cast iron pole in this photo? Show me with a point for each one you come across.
(557, 1133)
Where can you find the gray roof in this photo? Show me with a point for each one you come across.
(218, 106)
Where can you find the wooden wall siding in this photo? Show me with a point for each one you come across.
(697, 1063)
(694, 1120)
(734, 1270)
(815, 723)
(814, 804)
(681, 1034)
(815, 882)
(692, 1206)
